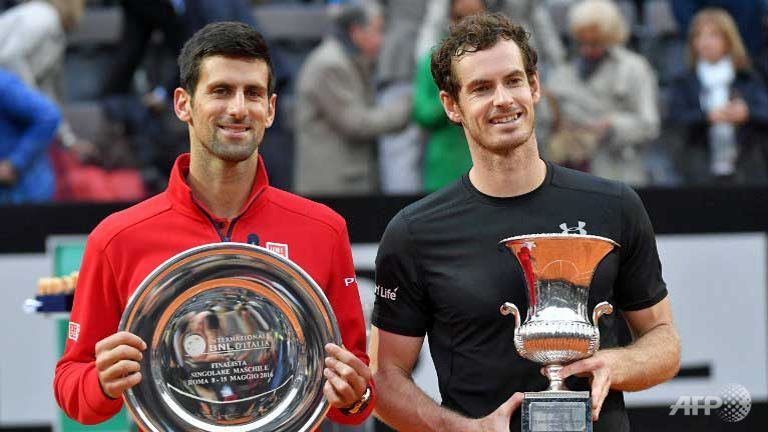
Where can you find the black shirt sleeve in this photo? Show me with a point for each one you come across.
(401, 303)
(639, 284)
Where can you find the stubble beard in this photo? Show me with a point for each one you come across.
(237, 152)
(506, 147)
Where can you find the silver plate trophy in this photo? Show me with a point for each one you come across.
(235, 337)
(558, 270)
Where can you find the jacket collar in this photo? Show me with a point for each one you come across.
(182, 199)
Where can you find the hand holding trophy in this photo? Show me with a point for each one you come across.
(558, 270)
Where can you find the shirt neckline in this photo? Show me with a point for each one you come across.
(506, 201)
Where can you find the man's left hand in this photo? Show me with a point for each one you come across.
(347, 377)
(600, 369)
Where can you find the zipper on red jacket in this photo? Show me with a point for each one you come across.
(210, 219)
(230, 230)
(228, 237)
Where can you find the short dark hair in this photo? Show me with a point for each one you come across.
(476, 33)
(228, 39)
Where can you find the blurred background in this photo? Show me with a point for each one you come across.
(666, 95)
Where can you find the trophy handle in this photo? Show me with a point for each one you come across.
(602, 308)
(510, 308)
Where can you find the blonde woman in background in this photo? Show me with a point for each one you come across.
(720, 102)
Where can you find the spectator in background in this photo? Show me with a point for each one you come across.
(748, 15)
(606, 98)
(446, 155)
(177, 20)
(720, 101)
(203, 12)
(150, 125)
(33, 41)
(337, 118)
(140, 20)
(400, 153)
(143, 119)
(28, 122)
(32, 45)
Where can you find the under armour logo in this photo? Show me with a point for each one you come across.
(574, 230)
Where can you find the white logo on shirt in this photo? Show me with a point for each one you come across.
(574, 230)
(278, 248)
(386, 293)
(349, 281)
(74, 331)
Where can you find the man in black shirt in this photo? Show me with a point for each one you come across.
(440, 272)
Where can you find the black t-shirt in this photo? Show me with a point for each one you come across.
(441, 272)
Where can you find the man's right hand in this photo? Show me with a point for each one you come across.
(498, 421)
(117, 362)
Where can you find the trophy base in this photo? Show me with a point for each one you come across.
(557, 411)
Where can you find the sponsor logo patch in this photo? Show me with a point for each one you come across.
(579, 229)
(278, 248)
(74, 331)
(386, 293)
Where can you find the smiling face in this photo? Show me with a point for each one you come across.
(230, 109)
(496, 98)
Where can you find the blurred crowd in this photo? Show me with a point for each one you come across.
(650, 92)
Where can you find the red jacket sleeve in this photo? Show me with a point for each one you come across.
(343, 295)
(95, 315)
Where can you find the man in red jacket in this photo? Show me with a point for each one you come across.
(217, 192)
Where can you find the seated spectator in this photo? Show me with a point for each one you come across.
(33, 41)
(337, 119)
(32, 45)
(446, 156)
(606, 98)
(720, 101)
(28, 122)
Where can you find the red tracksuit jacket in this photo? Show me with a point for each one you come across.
(124, 248)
